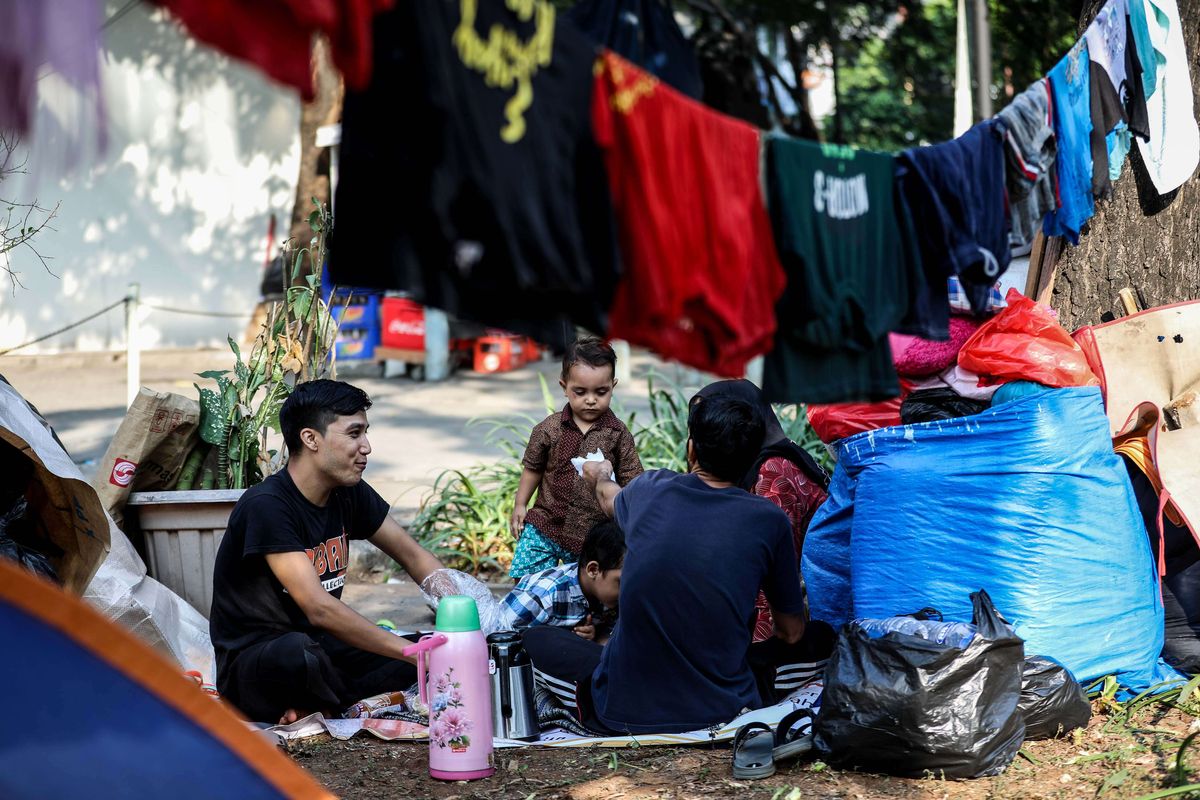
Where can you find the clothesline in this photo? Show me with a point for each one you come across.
(530, 185)
(502, 214)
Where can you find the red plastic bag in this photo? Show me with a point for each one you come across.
(1024, 342)
(833, 421)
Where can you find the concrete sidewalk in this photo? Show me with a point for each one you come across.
(417, 429)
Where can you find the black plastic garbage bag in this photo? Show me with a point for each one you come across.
(908, 706)
(1052, 701)
(11, 522)
(928, 405)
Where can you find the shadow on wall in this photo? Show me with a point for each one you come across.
(201, 151)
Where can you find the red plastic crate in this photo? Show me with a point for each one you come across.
(403, 324)
(498, 353)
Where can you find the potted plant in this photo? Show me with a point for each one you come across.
(183, 527)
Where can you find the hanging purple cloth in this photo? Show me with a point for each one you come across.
(60, 37)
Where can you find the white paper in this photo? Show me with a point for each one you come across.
(596, 456)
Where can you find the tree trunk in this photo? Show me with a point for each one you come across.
(325, 109)
(796, 51)
(1137, 238)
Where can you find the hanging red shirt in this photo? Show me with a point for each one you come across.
(701, 276)
(276, 35)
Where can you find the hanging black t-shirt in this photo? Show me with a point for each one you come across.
(249, 603)
(469, 176)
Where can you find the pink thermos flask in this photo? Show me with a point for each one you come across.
(452, 673)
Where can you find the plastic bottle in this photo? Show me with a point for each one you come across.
(452, 673)
(951, 634)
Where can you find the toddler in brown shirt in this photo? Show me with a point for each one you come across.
(565, 510)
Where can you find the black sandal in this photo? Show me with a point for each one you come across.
(754, 752)
(789, 743)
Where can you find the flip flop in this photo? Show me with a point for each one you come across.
(790, 743)
(753, 752)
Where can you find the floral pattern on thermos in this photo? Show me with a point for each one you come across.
(449, 724)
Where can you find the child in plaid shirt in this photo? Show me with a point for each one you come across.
(573, 595)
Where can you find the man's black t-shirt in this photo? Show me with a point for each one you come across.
(249, 603)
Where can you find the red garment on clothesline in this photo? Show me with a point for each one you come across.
(701, 276)
(276, 35)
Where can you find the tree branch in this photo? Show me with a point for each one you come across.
(22, 222)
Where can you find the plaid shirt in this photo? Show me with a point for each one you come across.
(959, 304)
(549, 597)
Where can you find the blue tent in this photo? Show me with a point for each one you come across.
(93, 712)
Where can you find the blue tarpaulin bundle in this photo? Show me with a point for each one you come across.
(1027, 500)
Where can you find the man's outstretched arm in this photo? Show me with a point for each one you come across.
(599, 475)
(404, 550)
(295, 571)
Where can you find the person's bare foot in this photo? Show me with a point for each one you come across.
(291, 715)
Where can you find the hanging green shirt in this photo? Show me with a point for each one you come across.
(851, 267)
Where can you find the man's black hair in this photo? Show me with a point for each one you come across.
(604, 544)
(315, 404)
(590, 350)
(727, 434)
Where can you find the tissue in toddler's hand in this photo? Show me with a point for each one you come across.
(579, 462)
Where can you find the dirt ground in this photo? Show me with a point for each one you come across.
(1113, 758)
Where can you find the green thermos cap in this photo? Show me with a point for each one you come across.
(457, 613)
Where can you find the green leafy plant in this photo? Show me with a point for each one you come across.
(464, 518)
(293, 345)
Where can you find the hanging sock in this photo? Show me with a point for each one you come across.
(1118, 141)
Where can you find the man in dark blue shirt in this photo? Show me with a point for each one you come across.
(698, 550)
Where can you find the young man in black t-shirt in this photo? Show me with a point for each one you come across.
(286, 644)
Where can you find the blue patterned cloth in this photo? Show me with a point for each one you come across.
(535, 553)
(549, 597)
(961, 304)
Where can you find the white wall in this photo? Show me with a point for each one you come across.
(201, 150)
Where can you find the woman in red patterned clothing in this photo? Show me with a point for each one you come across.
(784, 474)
